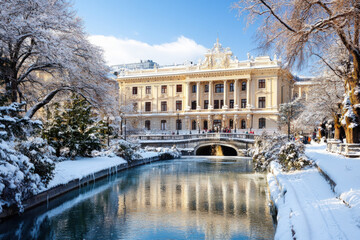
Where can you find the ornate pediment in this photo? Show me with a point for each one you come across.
(217, 57)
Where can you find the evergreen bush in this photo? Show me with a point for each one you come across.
(74, 131)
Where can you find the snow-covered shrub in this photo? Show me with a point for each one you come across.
(17, 178)
(165, 153)
(41, 155)
(265, 150)
(268, 148)
(292, 156)
(23, 169)
(125, 149)
(13, 126)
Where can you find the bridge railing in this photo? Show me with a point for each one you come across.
(154, 137)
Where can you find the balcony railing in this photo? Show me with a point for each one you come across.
(229, 136)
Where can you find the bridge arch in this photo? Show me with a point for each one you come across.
(216, 149)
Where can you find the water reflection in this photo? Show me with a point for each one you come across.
(183, 199)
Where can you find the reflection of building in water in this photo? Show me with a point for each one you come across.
(219, 206)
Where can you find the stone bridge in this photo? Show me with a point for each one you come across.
(220, 144)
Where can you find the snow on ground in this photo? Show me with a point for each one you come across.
(344, 171)
(81, 167)
(307, 206)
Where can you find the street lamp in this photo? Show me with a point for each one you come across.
(199, 126)
(235, 127)
(178, 121)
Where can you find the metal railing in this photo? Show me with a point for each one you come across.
(195, 136)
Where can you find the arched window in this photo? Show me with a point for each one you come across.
(178, 124)
(205, 124)
(231, 123)
(163, 124)
(193, 125)
(243, 124)
(147, 124)
(262, 123)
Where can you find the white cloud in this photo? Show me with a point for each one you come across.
(118, 51)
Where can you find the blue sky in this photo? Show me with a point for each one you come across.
(164, 21)
(167, 31)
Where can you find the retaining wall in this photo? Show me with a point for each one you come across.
(73, 184)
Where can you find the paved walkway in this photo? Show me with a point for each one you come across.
(308, 208)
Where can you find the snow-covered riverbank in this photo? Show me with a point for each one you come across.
(81, 167)
(307, 206)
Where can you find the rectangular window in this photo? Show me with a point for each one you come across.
(243, 103)
(178, 88)
(261, 102)
(231, 103)
(193, 105)
(206, 104)
(163, 89)
(134, 90)
(231, 87)
(219, 88)
(216, 104)
(148, 90)
(147, 106)
(178, 124)
(261, 83)
(221, 103)
(135, 107)
(164, 106)
(163, 125)
(179, 105)
(243, 124)
(206, 88)
(243, 86)
(194, 88)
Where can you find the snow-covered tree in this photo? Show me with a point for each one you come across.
(74, 131)
(323, 103)
(44, 51)
(301, 29)
(288, 112)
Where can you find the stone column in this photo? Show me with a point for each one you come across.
(248, 122)
(210, 125)
(187, 96)
(236, 94)
(198, 127)
(248, 102)
(236, 125)
(211, 95)
(225, 96)
(171, 94)
(223, 125)
(198, 105)
(157, 105)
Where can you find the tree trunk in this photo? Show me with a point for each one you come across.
(353, 133)
(337, 126)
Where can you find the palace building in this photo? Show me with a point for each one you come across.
(216, 93)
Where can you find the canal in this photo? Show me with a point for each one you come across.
(187, 198)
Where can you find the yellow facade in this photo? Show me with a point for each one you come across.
(216, 93)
